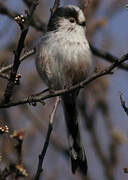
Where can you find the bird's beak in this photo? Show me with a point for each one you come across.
(83, 23)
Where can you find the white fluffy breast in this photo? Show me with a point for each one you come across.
(63, 58)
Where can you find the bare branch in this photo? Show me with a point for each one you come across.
(26, 55)
(123, 104)
(4, 10)
(40, 26)
(4, 76)
(50, 127)
(24, 24)
(107, 56)
(55, 6)
(105, 71)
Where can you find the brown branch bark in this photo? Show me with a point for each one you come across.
(123, 104)
(105, 71)
(50, 127)
(55, 6)
(25, 27)
(107, 56)
(40, 26)
(11, 83)
(4, 76)
(26, 55)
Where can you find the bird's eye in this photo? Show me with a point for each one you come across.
(72, 20)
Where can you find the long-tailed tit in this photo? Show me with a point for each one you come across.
(63, 59)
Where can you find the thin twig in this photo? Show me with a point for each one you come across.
(26, 55)
(123, 104)
(7, 68)
(11, 83)
(107, 56)
(25, 27)
(50, 127)
(4, 76)
(105, 71)
(37, 24)
(55, 6)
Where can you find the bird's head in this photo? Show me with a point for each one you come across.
(67, 18)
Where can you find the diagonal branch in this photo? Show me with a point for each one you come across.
(26, 55)
(50, 127)
(107, 56)
(55, 6)
(40, 26)
(24, 26)
(105, 71)
(4, 76)
(123, 104)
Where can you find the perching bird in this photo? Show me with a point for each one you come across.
(62, 60)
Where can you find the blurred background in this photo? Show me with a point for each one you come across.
(104, 124)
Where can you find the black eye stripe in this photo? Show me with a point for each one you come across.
(66, 12)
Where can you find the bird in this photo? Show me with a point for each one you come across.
(63, 59)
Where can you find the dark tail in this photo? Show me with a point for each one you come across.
(77, 153)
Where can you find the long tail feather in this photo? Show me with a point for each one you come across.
(77, 153)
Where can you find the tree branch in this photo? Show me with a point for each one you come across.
(26, 55)
(4, 76)
(55, 6)
(24, 24)
(107, 70)
(50, 127)
(107, 56)
(40, 26)
(123, 104)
